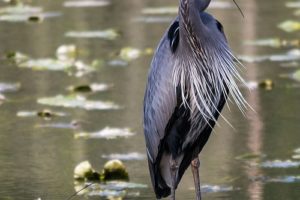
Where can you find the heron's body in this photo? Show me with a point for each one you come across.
(188, 85)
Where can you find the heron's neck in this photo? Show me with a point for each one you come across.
(190, 23)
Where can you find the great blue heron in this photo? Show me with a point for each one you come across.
(192, 73)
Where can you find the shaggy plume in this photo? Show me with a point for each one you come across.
(204, 77)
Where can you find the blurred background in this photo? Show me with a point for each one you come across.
(72, 79)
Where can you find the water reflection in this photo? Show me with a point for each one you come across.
(39, 162)
(256, 126)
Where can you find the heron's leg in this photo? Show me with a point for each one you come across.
(173, 169)
(195, 164)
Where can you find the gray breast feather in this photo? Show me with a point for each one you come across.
(160, 97)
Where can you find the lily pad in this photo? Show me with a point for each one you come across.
(2, 98)
(296, 157)
(290, 26)
(47, 114)
(295, 4)
(161, 10)
(21, 13)
(153, 19)
(114, 170)
(74, 125)
(131, 53)
(67, 52)
(215, 188)
(298, 149)
(94, 87)
(220, 5)
(109, 34)
(111, 190)
(16, 57)
(83, 68)
(272, 42)
(20, 9)
(46, 64)
(84, 171)
(107, 133)
(77, 102)
(285, 179)
(252, 59)
(249, 156)
(86, 3)
(296, 75)
(9, 87)
(292, 55)
(122, 185)
(280, 164)
(128, 156)
(118, 62)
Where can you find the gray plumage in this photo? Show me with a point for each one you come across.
(191, 75)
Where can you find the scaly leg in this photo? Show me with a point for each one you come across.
(195, 164)
(173, 168)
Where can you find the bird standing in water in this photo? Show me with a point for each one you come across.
(192, 73)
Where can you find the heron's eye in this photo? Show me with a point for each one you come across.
(219, 26)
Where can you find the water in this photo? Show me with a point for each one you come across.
(39, 162)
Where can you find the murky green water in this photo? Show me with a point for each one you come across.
(38, 162)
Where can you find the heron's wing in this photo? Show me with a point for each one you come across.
(160, 97)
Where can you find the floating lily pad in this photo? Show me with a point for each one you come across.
(20, 9)
(290, 26)
(21, 13)
(128, 156)
(46, 64)
(107, 133)
(153, 19)
(72, 125)
(109, 34)
(252, 59)
(114, 170)
(121, 185)
(84, 171)
(2, 98)
(294, 4)
(296, 157)
(110, 194)
(285, 179)
(16, 57)
(83, 68)
(280, 164)
(67, 52)
(86, 3)
(130, 53)
(292, 64)
(292, 55)
(220, 5)
(117, 189)
(118, 62)
(9, 87)
(47, 114)
(161, 10)
(272, 42)
(215, 188)
(296, 75)
(77, 102)
(249, 156)
(298, 149)
(94, 87)
(266, 84)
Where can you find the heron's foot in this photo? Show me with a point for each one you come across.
(195, 164)
(173, 169)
